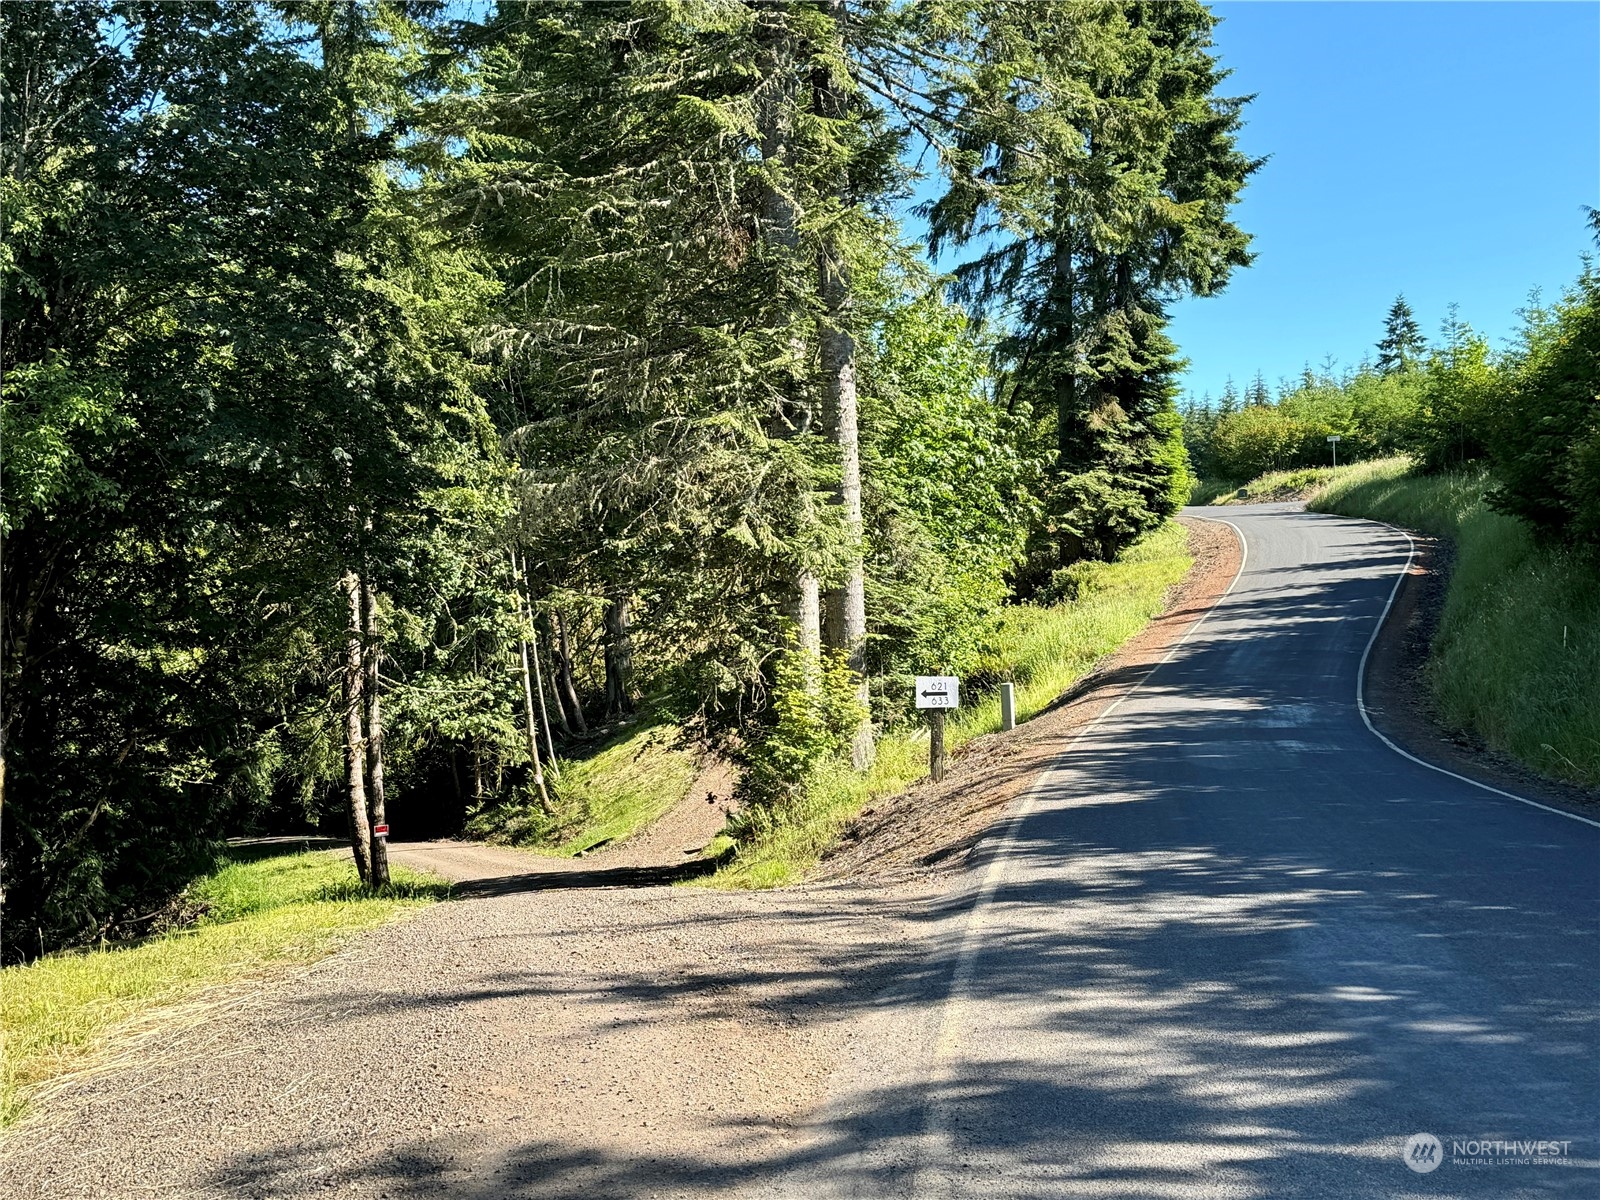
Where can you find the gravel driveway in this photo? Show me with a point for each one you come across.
(599, 1042)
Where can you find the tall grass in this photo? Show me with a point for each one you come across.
(615, 791)
(1294, 484)
(56, 1011)
(1517, 656)
(1046, 651)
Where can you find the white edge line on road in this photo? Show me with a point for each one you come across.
(991, 876)
(967, 952)
(1361, 695)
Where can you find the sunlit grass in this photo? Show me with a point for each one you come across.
(1517, 656)
(1046, 649)
(609, 795)
(1302, 481)
(55, 1013)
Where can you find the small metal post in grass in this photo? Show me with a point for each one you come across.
(1333, 440)
(1008, 706)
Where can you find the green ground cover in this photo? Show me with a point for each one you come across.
(1517, 655)
(630, 780)
(1045, 651)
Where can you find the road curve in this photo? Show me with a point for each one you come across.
(1233, 945)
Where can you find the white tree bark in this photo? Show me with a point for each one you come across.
(354, 743)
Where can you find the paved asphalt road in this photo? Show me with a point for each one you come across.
(1234, 945)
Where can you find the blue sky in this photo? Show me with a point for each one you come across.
(1443, 150)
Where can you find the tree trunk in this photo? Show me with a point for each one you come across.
(354, 751)
(375, 805)
(533, 730)
(619, 657)
(1065, 358)
(847, 605)
(808, 626)
(541, 629)
(538, 690)
(533, 683)
(565, 687)
(780, 223)
(1070, 547)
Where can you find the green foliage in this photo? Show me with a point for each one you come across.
(1098, 172)
(652, 343)
(1517, 655)
(233, 370)
(951, 483)
(817, 711)
(1460, 384)
(1402, 345)
(52, 421)
(1545, 428)
(1044, 650)
(1375, 415)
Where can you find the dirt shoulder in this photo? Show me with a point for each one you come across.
(1401, 705)
(933, 827)
(666, 851)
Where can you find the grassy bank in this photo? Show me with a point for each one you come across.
(1046, 651)
(1517, 656)
(57, 1012)
(628, 781)
(1286, 485)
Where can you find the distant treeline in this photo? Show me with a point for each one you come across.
(1529, 412)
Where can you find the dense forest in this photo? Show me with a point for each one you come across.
(392, 398)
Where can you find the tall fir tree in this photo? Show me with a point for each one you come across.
(1103, 191)
(1402, 346)
(1257, 395)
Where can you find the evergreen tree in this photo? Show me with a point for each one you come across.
(1402, 346)
(1103, 191)
(1257, 395)
(232, 372)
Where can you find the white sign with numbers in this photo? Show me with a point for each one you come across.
(938, 691)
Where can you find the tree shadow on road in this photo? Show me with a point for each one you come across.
(1235, 948)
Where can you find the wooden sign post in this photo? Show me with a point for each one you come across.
(937, 693)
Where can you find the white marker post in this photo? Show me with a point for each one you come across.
(1008, 706)
(1333, 440)
(936, 693)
